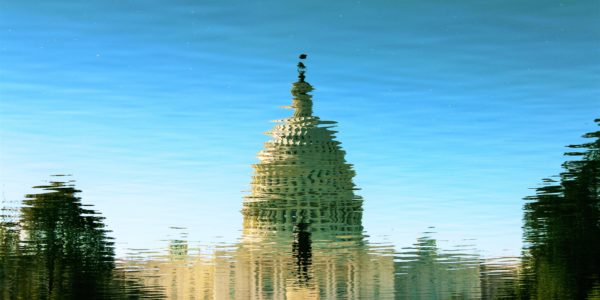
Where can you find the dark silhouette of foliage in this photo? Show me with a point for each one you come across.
(56, 248)
(562, 229)
(65, 244)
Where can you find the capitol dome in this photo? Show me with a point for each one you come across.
(302, 176)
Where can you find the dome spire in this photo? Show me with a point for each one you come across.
(301, 68)
(302, 102)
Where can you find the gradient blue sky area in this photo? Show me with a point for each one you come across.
(450, 112)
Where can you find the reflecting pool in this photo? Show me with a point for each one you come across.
(428, 150)
(302, 237)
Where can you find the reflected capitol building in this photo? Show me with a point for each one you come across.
(302, 229)
(302, 235)
(303, 238)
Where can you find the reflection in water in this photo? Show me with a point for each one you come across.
(302, 221)
(59, 248)
(56, 248)
(302, 250)
(426, 272)
(499, 277)
(562, 230)
(303, 197)
(302, 238)
(302, 235)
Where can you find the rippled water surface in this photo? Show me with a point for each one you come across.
(129, 133)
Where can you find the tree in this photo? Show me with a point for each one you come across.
(64, 245)
(562, 229)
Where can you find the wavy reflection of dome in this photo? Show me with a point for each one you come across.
(302, 176)
(302, 234)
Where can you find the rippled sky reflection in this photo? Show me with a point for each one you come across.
(450, 112)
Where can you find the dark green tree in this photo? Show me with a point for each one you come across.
(64, 245)
(562, 229)
(55, 247)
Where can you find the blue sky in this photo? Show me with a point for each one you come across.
(450, 112)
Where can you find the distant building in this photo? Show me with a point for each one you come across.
(426, 272)
(302, 232)
(302, 236)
